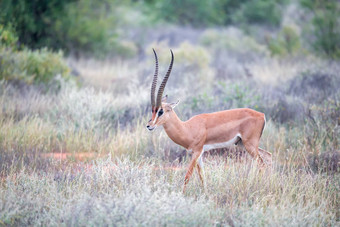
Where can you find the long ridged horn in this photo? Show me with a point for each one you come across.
(154, 82)
(161, 88)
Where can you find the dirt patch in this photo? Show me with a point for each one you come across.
(84, 156)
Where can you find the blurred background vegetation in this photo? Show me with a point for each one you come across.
(97, 28)
(35, 33)
(32, 32)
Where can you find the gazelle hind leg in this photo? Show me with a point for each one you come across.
(266, 157)
(252, 149)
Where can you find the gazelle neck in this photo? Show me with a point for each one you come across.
(176, 130)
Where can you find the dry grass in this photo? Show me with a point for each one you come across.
(140, 193)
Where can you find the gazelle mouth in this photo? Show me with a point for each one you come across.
(150, 128)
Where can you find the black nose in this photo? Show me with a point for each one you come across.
(148, 126)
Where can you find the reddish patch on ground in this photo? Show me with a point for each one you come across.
(77, 156)
(84, 156)
(81, 165)
(168, 168)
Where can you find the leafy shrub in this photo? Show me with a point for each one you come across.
(201, 100)
(28, 66)
(192, 66)
(193, 12)
(124, 48)
(8, 38)
(260, 12)
(74, 26)
(33, 20)
(238, 95)
(186, 54)
(193, 55)
(286, 42)
(85, 27)
(326, 26)
(224, 96)
(217, 12)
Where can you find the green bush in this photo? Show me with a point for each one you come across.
(239, 95)
(8, 38)
(187, 54)
(287, 42)
(33, 20)
(39, 66)
(85, 28)
(326, 26)
(193, 12)
(82, 25)
(124, 49)
(229, 8)
(218, 12)
(267, 12)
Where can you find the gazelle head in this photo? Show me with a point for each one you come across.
(159, 107)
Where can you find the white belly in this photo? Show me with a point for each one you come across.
(228, 143)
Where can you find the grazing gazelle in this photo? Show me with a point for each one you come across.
(206, 131)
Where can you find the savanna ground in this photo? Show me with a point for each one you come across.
(118, 173)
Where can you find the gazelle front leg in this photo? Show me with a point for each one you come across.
(193, 163)
(200, 168)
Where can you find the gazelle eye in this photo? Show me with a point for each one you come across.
(160, 112)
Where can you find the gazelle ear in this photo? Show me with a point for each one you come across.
(174, 104)
(165, 98)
